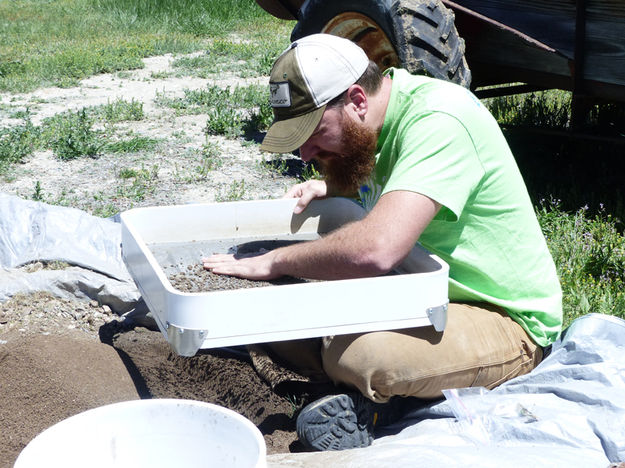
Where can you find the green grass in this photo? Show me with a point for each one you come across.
(133, 144)
(121, 110)
(589, 253)
(246, 59)
(16, 144)
(231, 112)
(57, 43)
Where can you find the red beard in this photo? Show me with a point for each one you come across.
(345, 172)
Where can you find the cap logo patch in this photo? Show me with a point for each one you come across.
(279, 95)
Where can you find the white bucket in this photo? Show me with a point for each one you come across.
(149, 433)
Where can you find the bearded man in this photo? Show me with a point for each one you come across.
(430, 165)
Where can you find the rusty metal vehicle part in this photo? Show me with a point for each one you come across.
(512, 46)
(414, 34)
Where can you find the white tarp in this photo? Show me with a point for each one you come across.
(569, 412)
(33, 231)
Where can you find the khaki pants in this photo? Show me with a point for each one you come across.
(481, 346)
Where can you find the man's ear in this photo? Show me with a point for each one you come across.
(357, 100)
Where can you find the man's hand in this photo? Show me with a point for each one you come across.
(257, 266)
(306, 192)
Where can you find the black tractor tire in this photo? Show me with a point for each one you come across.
(421, 33)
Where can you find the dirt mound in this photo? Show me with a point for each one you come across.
(51, 369)
(223, 377)
(47, 378)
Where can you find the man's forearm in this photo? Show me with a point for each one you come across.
(348, 252)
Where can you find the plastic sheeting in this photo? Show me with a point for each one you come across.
(569, 411)
(33, 231)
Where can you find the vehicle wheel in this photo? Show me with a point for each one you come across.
(418, 35)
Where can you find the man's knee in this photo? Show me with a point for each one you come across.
(374, 363)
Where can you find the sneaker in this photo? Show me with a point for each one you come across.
(339, 422)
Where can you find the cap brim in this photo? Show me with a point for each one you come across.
(285, 136)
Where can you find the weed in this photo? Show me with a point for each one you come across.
(70, 135)
(23, 114)
(223, 120)
(161, 75)
(292, 167)
(260, 120)
(276, 163)
(589, 253)
(121, 110)
(254, 97)
(128, 173)
(62, 199)
(295, 404)
(106, 210)
(552, 110)
(235, 192)
(132, 145)
(124, 75)
(56, 265)
(210, 159)
(37, 193)
(230, 112)
(242, 58)
(197, 101)
(143, 173)
(242, 110)
(99, 207)
(142, 182)
(17, 143)
(310, 172)
(548, 109)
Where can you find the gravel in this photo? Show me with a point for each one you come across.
(45, 314)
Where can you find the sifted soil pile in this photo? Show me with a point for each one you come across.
(53, 369)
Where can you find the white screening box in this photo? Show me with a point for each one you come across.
(416, 296)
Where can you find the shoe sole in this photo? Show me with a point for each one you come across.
(333, 423)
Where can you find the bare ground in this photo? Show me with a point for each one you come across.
(83, 357)
(59, 357)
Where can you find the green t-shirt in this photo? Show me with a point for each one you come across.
(440, 141)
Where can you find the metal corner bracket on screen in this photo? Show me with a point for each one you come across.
(438, 316)
(185, 341)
